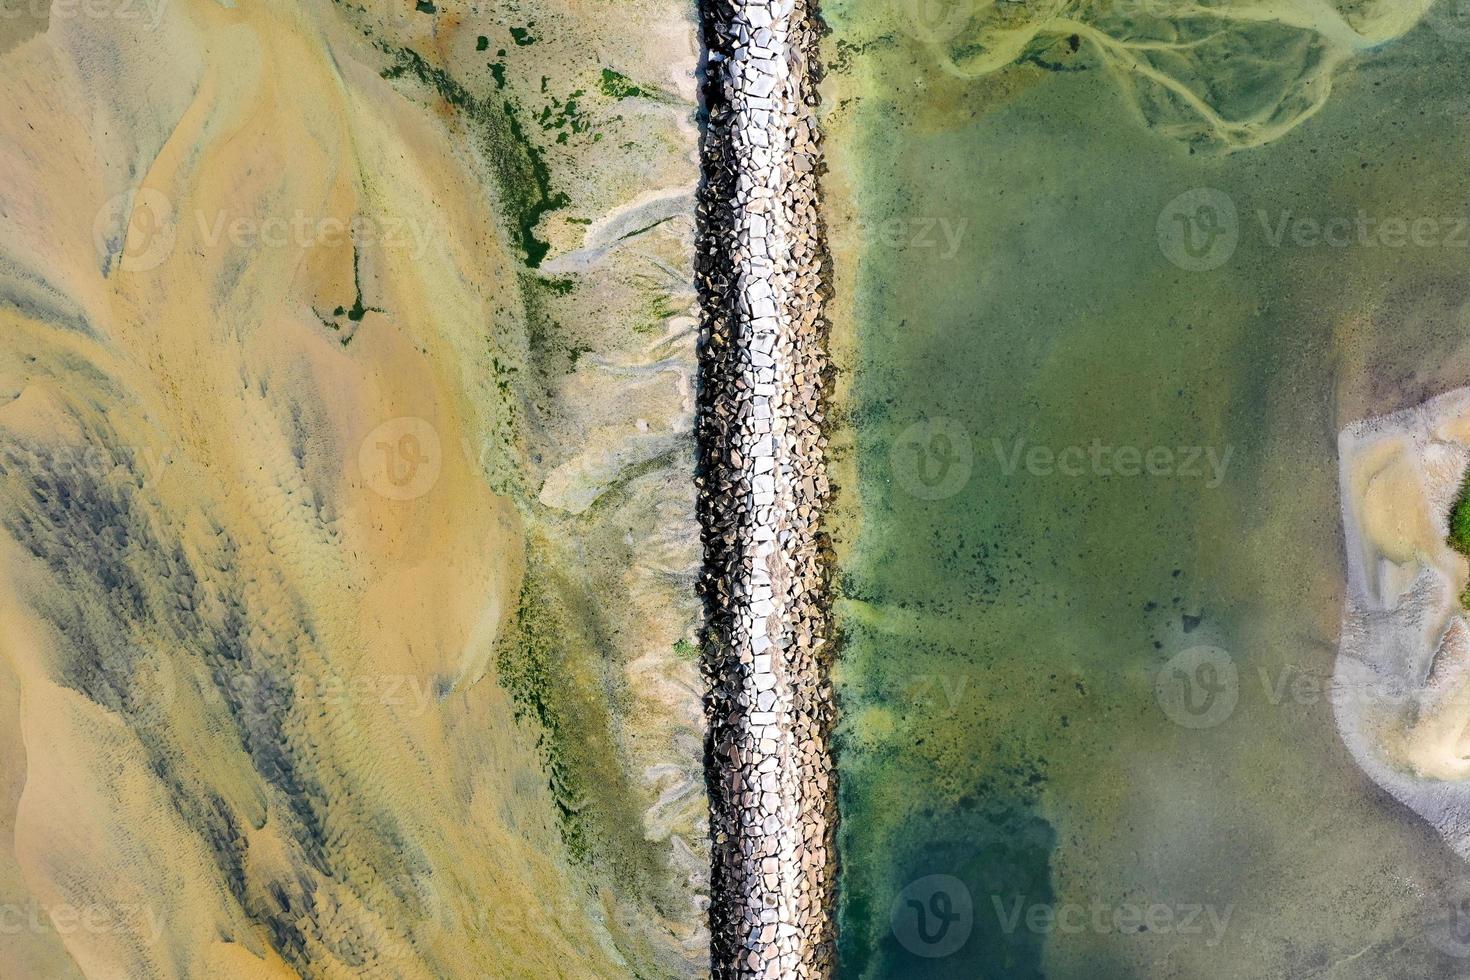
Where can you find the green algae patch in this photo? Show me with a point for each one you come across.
(564, 115)
(565, 695)
(539, 196)
(525, 179)
(548, 661)
(616, 85)
(1459, 537)
(658, 310)
(551, 351)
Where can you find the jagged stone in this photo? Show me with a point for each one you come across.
(762, 493)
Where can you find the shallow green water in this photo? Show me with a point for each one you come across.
(1078, 459)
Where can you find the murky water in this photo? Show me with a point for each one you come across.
(1091, 566)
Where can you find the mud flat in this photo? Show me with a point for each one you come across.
(763, 491)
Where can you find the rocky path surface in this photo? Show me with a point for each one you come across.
(763, 490)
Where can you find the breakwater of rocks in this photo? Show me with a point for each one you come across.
(763, 489)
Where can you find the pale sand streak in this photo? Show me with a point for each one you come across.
(765, 489)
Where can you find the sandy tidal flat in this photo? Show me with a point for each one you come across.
(346, 570)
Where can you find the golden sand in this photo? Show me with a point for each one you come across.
(267, 491)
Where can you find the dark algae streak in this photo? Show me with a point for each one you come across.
(616, 85)
(1459, 538)
(541, 661)
(525, 180)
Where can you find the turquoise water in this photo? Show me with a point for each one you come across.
(1094, 423)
